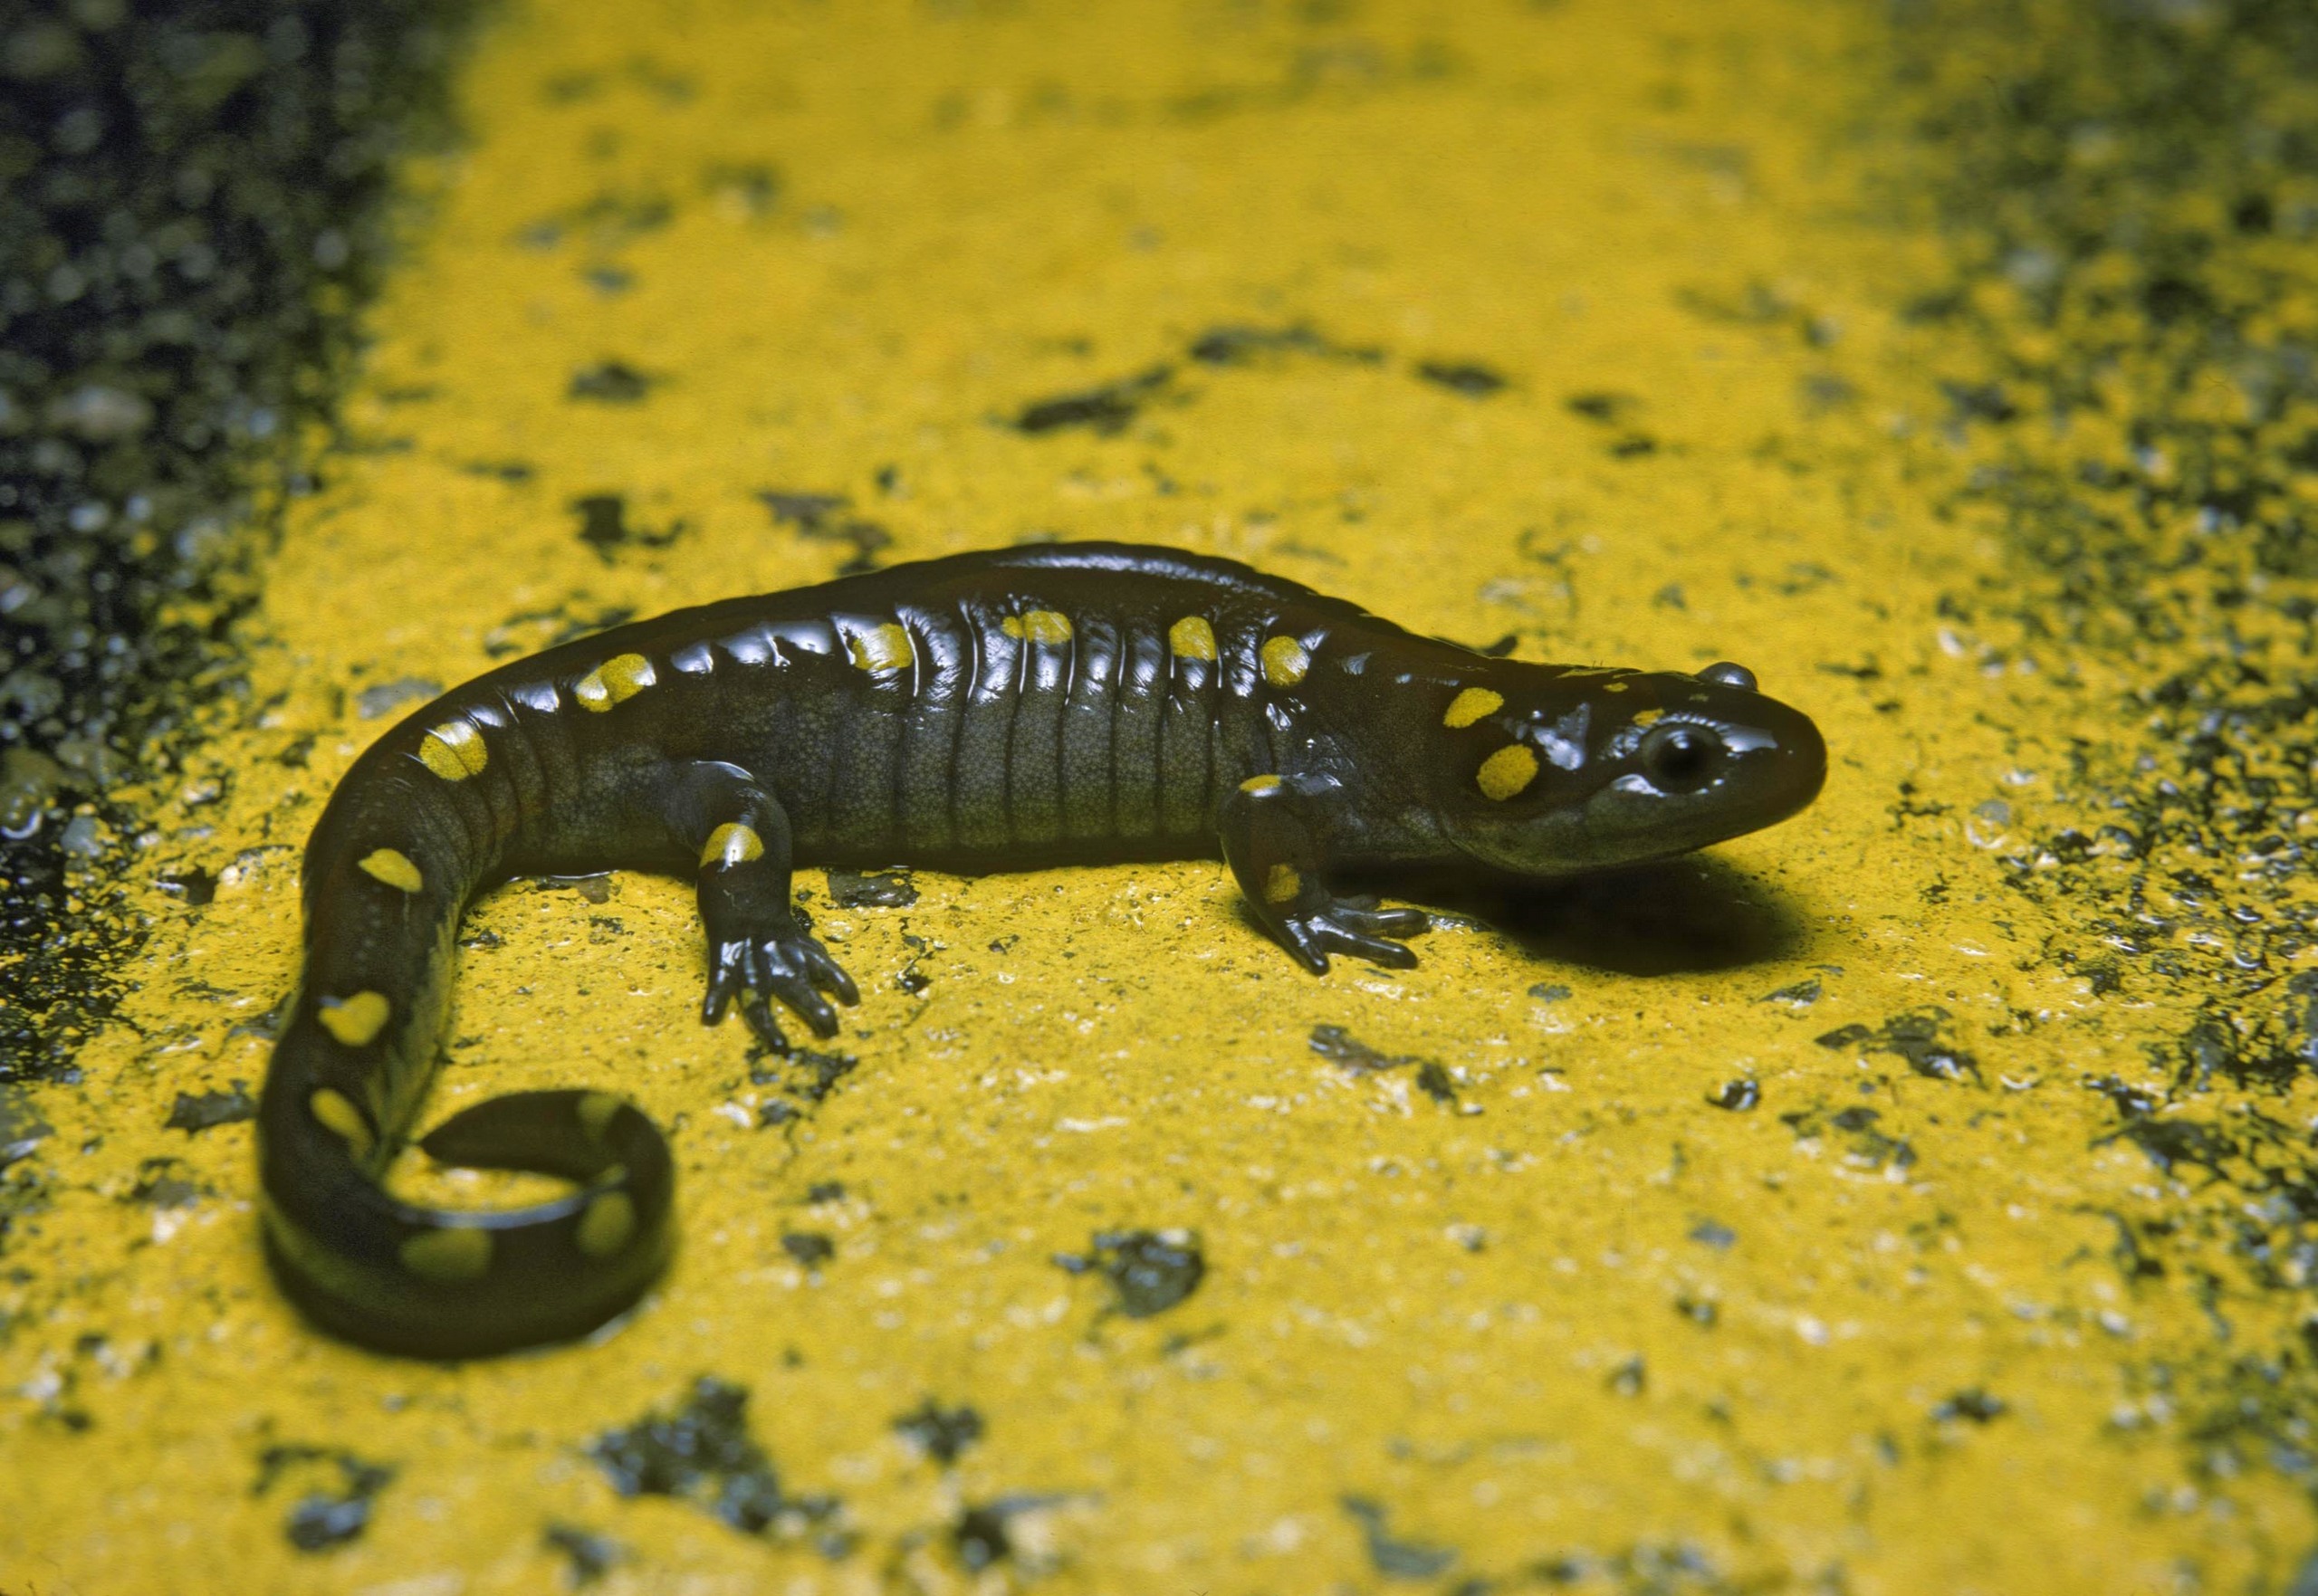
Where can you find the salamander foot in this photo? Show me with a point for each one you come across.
(794, 967)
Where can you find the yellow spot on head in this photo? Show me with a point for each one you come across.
(732, 844)
(616, 680)
(1040, 626)
(1470, 705)
(1508, 771)
(1192, 638)
(343, 1120)
(353, 1020)
(596, 1111)
(447, 1256)
(1648, 717)
(395, 869)
(455, 750)
(1614, 687)
(1285, 661)
(1260, 784)
(882, 648)
(607, 1225)
(1281, 884)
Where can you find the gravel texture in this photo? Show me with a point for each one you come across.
(193, 200)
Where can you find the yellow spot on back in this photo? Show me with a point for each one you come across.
(596, 1111)
(1471, 705)
(1508, 771)
(1192, 638)
(395, 869)
(882, 648)
(607, 1225)
(1281, 884)
(732, 844)
(1040, 626)
(455, 750)
(447, 1256)
(353, 1020)
(616, 680)
(1259, 784)
(341, 1119)
(1285, 661)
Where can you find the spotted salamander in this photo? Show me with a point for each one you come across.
(992, 710)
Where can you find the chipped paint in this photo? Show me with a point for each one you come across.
(1904, 1199)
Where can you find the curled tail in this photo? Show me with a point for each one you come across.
(389, 870)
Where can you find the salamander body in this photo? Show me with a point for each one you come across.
(986, 712)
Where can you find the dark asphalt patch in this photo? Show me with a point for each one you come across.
(194, 199)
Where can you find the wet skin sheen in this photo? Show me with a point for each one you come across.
(994, 711)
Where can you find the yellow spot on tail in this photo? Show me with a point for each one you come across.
(447, 1256)
(616, 680)
(1470, 705)
(1040, 626)
(1648, 717)
(395, 869)
(882, 648)
(1259, 784)
(1285, 661)
(455, 750)
(596, 1111)
(1281, 884)
(732, 844)
(341, 1119)
(1508, 771)
(607, 1225)
(353, 1020)
(1192, 638)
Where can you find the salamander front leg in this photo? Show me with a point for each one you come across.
(1268, 842)
(758, 948)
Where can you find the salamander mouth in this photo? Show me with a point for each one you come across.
(1771, 782)
(1763, 775)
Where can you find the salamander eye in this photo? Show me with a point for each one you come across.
(1680, 759)
(1725, 673)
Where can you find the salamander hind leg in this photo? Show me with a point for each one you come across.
(759, 948)
(1269, 842)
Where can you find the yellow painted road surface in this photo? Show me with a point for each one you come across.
(1906, 1199)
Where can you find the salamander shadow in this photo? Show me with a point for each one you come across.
(1675, 917)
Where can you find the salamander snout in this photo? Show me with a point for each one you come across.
(1612, 768)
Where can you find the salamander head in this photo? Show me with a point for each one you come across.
(1555, 770)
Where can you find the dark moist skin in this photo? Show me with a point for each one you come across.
(998, 710)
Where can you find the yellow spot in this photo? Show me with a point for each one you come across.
(607, 1225)
(882, 648)
(341, 1119)
(1040, 626)
(447, 1256)
(616, 680)
(1470, 705)
(1648, 717)
(455, 750)
(1614, 687)
(732, 844)
(1281, 884)
(1508, 771)
(1259, 784)
(1285, 661)
(353, 1020)
(1192, 638)
(395, 869)
(596, 1111)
